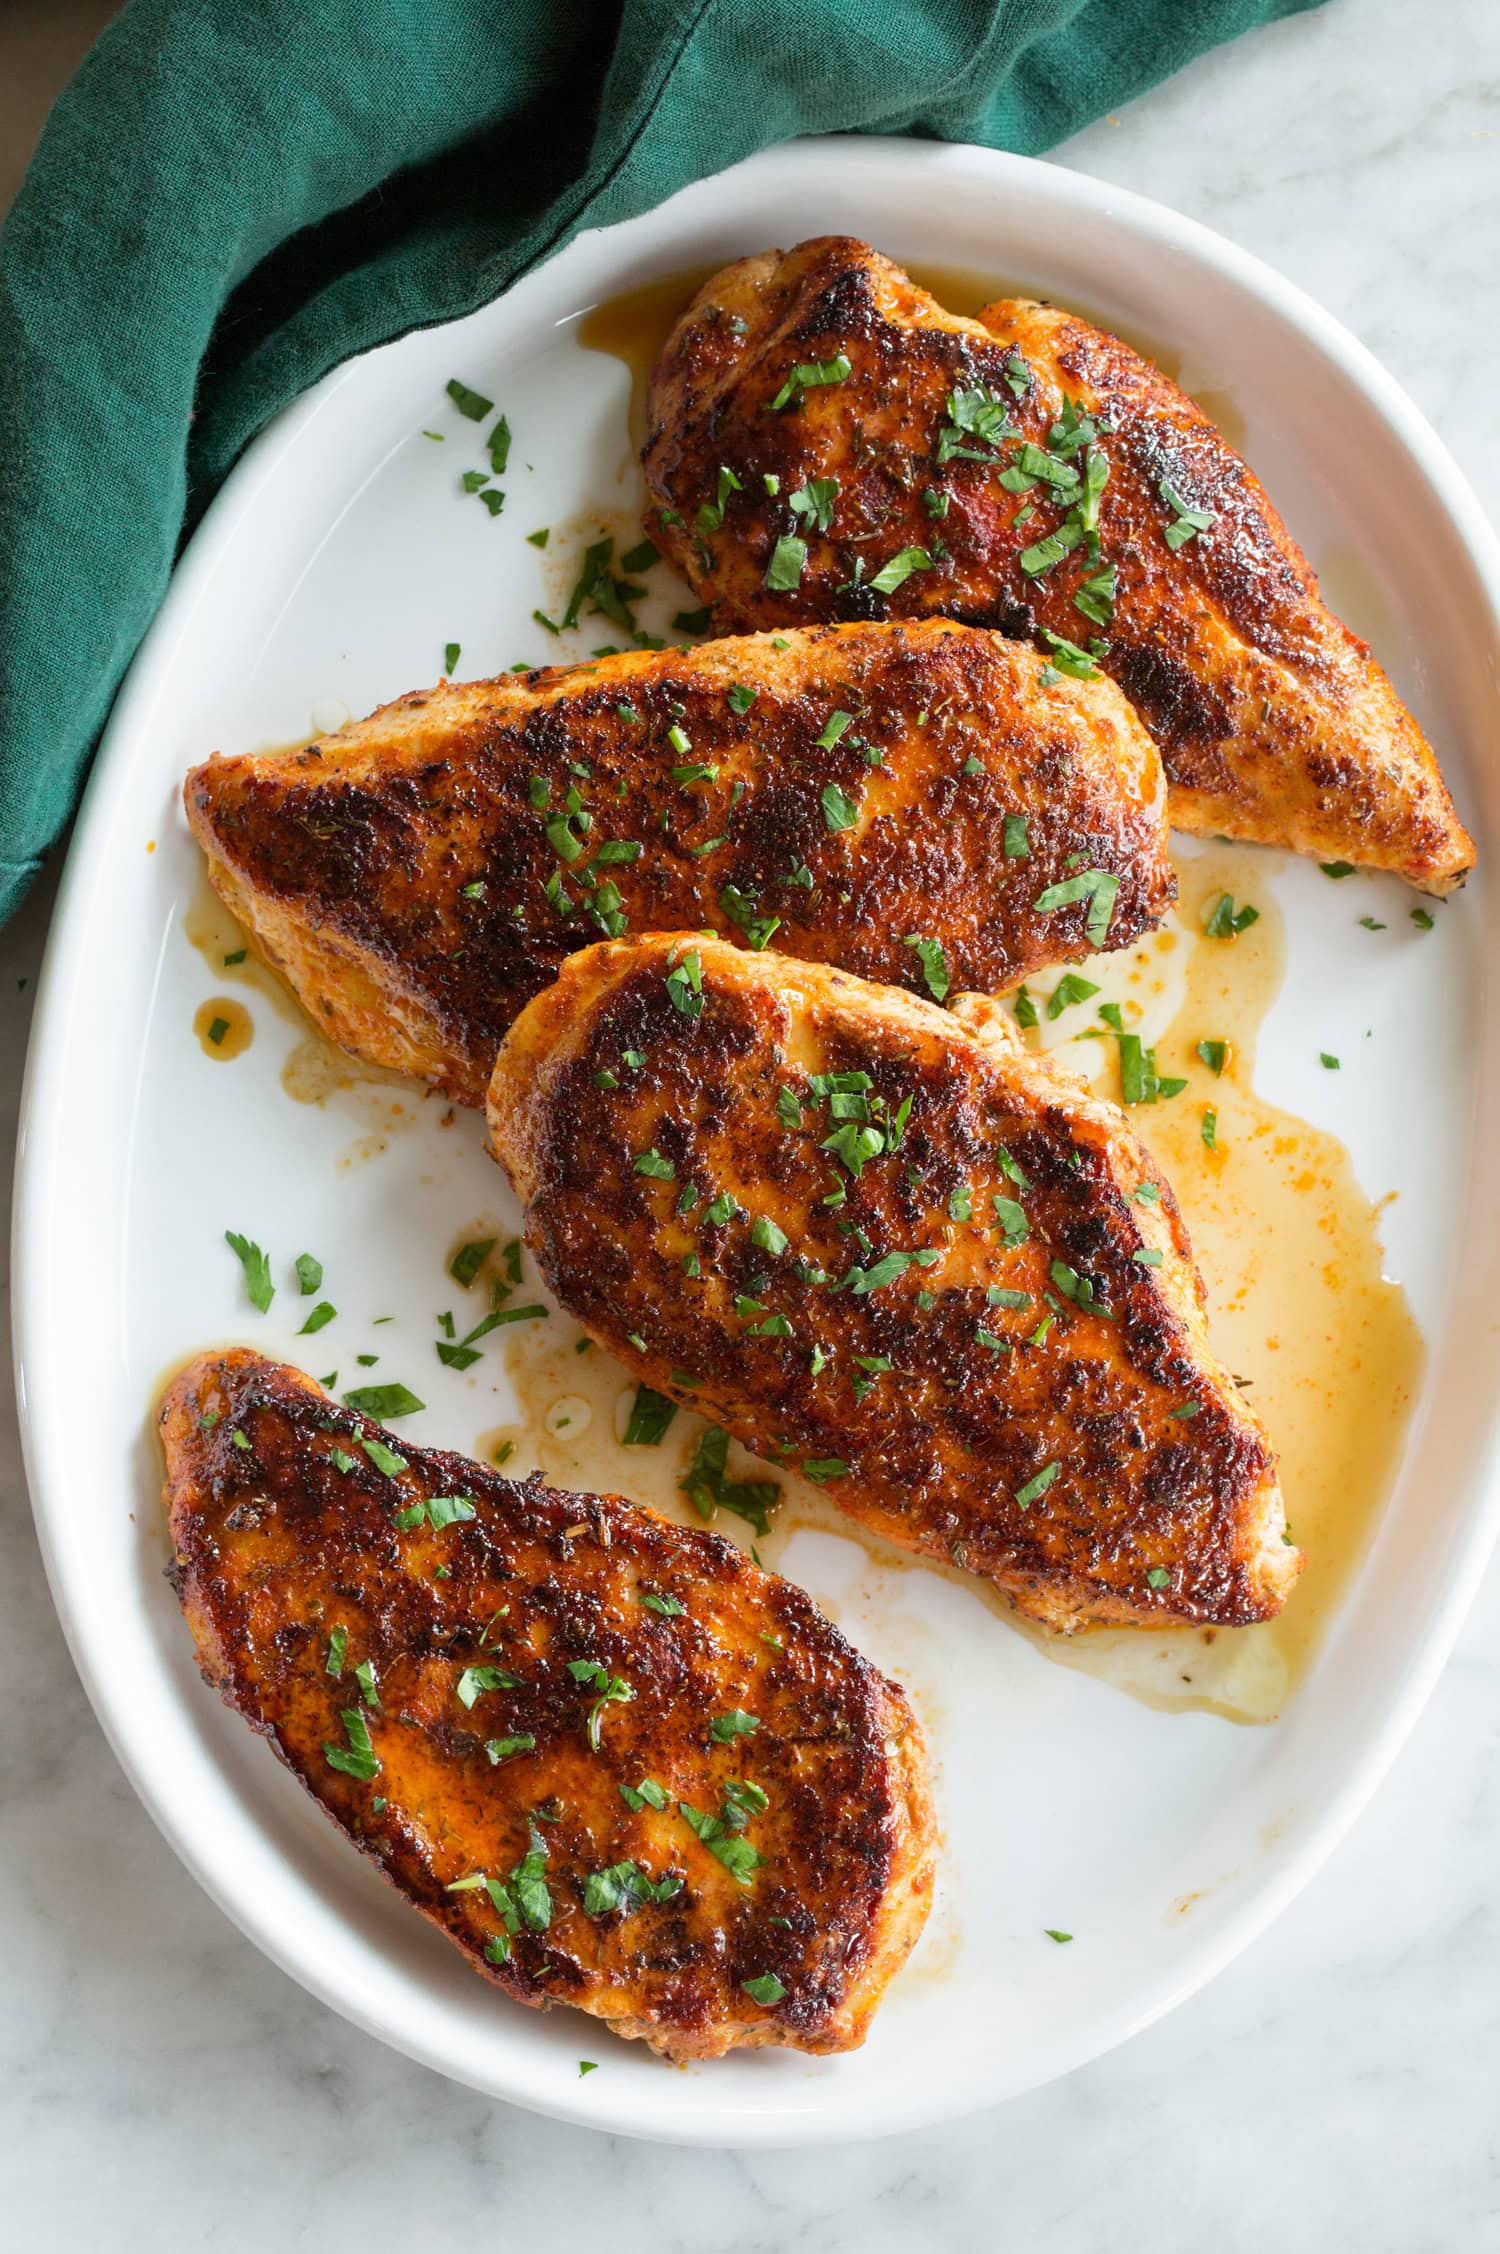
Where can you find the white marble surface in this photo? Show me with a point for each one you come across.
(162, 2085)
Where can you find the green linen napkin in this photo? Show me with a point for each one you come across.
(234, 195)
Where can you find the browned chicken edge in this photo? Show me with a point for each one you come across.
(292, 1564)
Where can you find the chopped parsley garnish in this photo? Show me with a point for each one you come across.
(1337, 869)
(1037, 1485)
(1011, 1216)
(1187, 522)
(1422, 919)
(975, 425)
(740, 908)
(361, 1759)
(670, 1608)
(1053, 1934)
(1329, 1064)
(647, 1794)
(862, 1281)
(784, 571)
(1095, 595)
(337, 1643)
(1158, 1578)
(839, 812)
(815, 501)
(1044, 554)
(217, 1030)
(725, 1840)
(501, 1748)
(1010, 1169)
(651, 1163)
(899, 569)
(808, 375)
(257, 1269)
(1214, 1054)
(1097, 886)
(934, 964)
(394, 1400)
(650, 1415)
(470, 403)
(736, 1723)
(323, 1313)
(469, 1259)
(612, 1690)
(750, 1499)
(710, 517)
(523, 1899)
(1068, 657)
(1209, 1129)
(436, 1511)
(475, 1681)
(1140, 1082)
(1069, 989)
(685, 985)
(765, 1234)
(383, 1458)
(539, 539)
(625, 1887)
(764, 1988)
(821, 1469)
(1225, 921)
(1026, 1016)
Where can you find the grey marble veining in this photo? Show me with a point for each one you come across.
(162, 2085)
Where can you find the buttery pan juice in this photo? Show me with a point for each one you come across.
(1324, 1344)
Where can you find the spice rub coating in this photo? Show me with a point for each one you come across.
(617, 1764)
(420, 875)
(885, 1244)
(1053, 483)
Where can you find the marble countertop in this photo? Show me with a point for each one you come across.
(162, 2084)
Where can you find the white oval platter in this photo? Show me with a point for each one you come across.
(330, 573)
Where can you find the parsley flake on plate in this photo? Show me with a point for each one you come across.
(257, 1269)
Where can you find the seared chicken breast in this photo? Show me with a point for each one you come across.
(826, 442)
(619, 1766)
(862, 792)
(887, 1245)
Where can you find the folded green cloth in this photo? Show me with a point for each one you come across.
(234, 195)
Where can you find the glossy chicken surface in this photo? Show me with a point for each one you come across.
(886, 1245)
(860, 453)
(619, 1766)
(419, 876)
